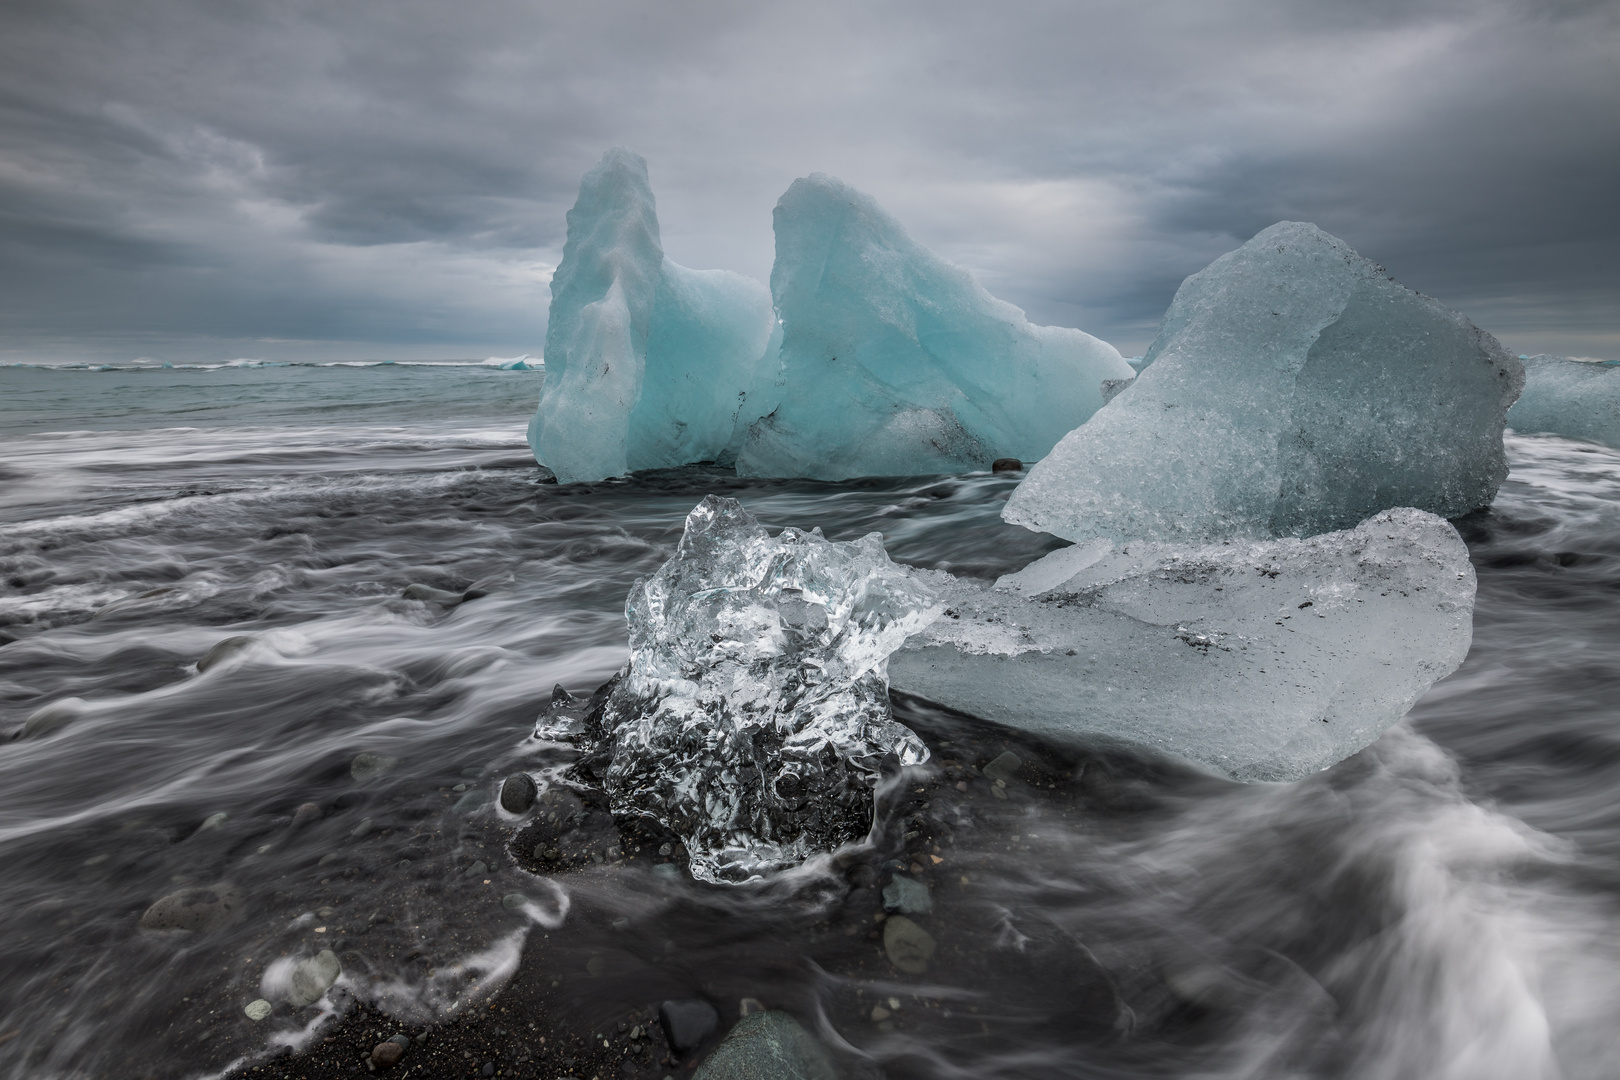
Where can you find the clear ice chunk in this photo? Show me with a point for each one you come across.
(648, 364)
(1259, 660)
(753, 718)
(1571, 396)
(1294, 388)
(895, 362)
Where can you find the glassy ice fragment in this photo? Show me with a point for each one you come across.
(648, 364)
(1258, 660)
(753, 719)
(1571, 396)
(895, 362)
(1294, 388)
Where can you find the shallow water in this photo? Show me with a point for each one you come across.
(1442, 905)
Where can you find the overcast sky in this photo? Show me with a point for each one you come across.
(191, 179)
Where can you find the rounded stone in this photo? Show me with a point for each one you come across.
(518, 793)
(257, 1010)
(194, 910)
(1006, 464)
(367, 765)
(313, 977)
(223, 651)
(909, 946)
(385, 1054)
(513, 901)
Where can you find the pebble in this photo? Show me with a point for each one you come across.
(328, 859)
(768, 1044)
(258, 1010)
(478, 869)
(385, 1054)
(909, 946)
(427, 593)
(362, 829)
(512, 901)
(518, 793)
(879, 1013)
(367, 765)
(1006, 464)
(49, 718)
(688, 1022)
(1004, 766)
(306, 813)
(222, 651)
(214, 821)
(313, 977)
(194, 910)
(908, 896)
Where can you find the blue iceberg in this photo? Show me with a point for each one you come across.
(648, 364)
(1570, 396)
(1294, 388)
(895, 362)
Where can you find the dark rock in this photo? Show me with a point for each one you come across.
(1006, 464)
(517, 793)
(350, 799)
(909, 946)
(195, 910)
(385, 1054)
(768, 1045)
(367, 765)
(908, 896)
(488, 1069)
(305, 814)
(223, 651)
(428, 594)
(688, 1023)
(1004, 766)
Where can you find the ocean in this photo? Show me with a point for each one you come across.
(1445, 904)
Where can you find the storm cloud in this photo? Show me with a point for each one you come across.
(188, 179)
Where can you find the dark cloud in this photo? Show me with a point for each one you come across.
(368, 176)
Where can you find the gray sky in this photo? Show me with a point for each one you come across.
(203, 179)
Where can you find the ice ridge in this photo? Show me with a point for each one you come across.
(896, 362)
(648, 364)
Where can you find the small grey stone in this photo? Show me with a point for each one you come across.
(401, 1038)
(258, 1010)
(1004, 766)
(517, 793)
(329, 858)
(49, 718)
(908, 896)
(512, 901)
(367, 765)
(223, 651)
(477, 869)
(194, 910)
(213, 821)
(909, 946)
(312, 978)
(428, 594)
(768, 1045)
(305, 814)
(362, 829)
(687, 1023)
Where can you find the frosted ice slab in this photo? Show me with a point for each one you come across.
(1570, 396)
(1294, 387)
(895, 362)
(753, 719)
(1259, 660)
(648, 364)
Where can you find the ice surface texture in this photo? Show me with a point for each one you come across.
(1567, 396)
(896, 362)
(753, 719)
(648, 364)
(1260, 660)
(1294, 388)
